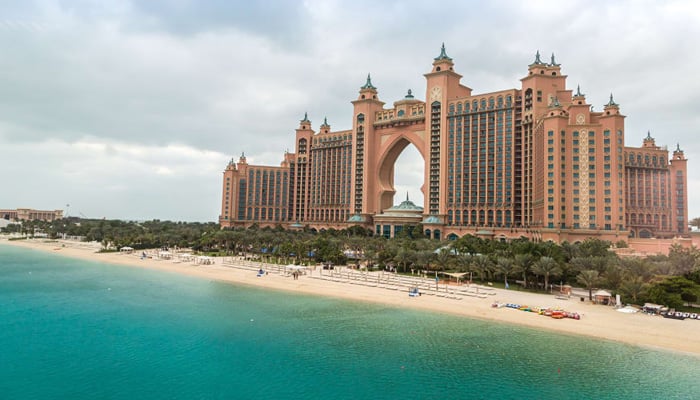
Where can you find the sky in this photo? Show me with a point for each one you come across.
(132, 109)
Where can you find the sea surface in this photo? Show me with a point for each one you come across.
(72, 329)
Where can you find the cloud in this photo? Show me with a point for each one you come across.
(96, 176)
(139, 98)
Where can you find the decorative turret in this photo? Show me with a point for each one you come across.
(368, 91)
(324, 126)
(442, 62)
(231, 165)
(678, 153)
(241, 159)
(649, 141)
(305, 124)
(401, 105)
(611, 108)
(578, 92)
(612, 103)
(539, 67)
(443, 54)
(368, 84)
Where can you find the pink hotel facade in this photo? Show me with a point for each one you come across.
(533, 161)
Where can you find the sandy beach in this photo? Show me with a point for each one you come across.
(597, 321)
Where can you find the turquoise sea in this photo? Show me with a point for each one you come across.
(71, 329)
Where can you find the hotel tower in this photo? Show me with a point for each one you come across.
(535, 161)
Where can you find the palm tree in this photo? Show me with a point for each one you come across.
(482, 265)
(547, 267)
(425, 258)
(523, 263)
(443, 258)
(505, 266)
(588, 278)
(404, 257)
(634, 288)
(464, 262)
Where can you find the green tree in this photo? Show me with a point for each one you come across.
(505, 266)
(634, 288)
(443, 259)
(523, 264)
(482, 265)
(546, 266)
(683, 259)
(404, 257)
(588, 278)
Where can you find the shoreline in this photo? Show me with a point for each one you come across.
(597, 321)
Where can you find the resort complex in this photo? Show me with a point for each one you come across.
(27, 214)
(534, 161)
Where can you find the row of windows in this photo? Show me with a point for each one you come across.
(481, 104)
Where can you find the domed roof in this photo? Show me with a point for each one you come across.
(406, 205)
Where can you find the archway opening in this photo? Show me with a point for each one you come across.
(409, 173)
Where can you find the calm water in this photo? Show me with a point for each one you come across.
(71, 329)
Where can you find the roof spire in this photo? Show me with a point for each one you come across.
(325, 121)
(443, 54)
(553, 63)
(611, 102)
(678, 147)
(649, 135)
(306, 117)
(537, 58)
(578, 91)
(406, 195)
(368, 85)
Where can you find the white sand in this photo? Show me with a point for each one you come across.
(597, 321)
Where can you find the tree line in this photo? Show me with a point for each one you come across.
(672, 280)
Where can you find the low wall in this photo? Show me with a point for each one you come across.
(648, 247)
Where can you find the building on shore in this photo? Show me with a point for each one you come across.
(28, 214)
(533, 161)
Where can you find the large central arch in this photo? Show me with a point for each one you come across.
(391, 145)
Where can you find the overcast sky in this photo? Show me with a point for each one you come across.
(132, 109)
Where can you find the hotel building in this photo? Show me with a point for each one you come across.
(533, 161)
(28, 214)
